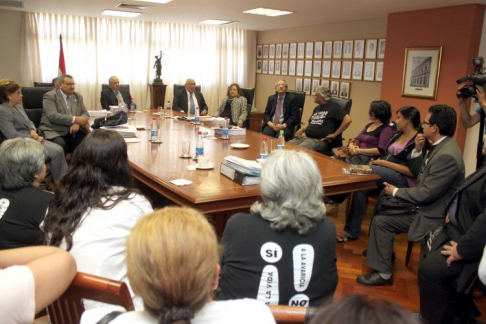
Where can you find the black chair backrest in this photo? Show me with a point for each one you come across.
(301, 101)
(43, 84)
(344, 103)
(124, 87)
(33, 96)
(35, 115)
(180, 87)
(249, 94)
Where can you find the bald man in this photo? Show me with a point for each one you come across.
(190, 99)
(113, 95)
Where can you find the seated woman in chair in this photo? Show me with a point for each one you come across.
(391, 167)
(95, 207)
(22, 204)
(284, 252)
(234, 106)
(173, 264)
(15, 123)
(372, 140)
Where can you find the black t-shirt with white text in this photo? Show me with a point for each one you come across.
(325, 120)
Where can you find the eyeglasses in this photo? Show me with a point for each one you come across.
(70, 84)
(426, 123)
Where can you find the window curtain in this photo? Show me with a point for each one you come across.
(97, 48)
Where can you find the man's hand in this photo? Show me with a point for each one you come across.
(419, 142)
(278, 127)
(240, 123)
(389, 189)
(80, 120)
(74, 128)
(331, 136)
(271, 125)
(204, 112)
(461, 100)
(481, 97)
(451, 251)
(299, 133)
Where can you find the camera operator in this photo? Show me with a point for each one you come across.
(471, 119)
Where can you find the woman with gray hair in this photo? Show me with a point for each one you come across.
(283, 253)
(22, 204)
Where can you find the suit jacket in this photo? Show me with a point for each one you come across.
(108, 98)
(181, 104)
(14, 124)
(290, 110)
(56, 120)
(239, 109)
(442, 174)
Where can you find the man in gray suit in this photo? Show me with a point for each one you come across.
(65, 118)
(440, 173)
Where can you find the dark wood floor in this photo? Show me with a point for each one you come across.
(351, 264)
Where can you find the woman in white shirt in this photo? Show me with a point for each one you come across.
(96, 206)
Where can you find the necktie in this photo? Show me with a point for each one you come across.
(119, 97)
(278, 111)
(68, 104)
(193, 106)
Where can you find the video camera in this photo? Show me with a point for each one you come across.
(478, 79)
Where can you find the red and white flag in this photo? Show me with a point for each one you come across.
(62, 64)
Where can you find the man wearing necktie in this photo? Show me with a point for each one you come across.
(439, 175)
(448, 268)
(113, 95)
(64, 118)
(188, 99)
(282, 112)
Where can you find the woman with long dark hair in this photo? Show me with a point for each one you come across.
(95, 206)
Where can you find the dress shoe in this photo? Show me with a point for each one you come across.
(374, 279)
(365, 254)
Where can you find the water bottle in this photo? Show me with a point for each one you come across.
(281, 140)
(196, 117)
(199, 145)
(168, 110)
(153, 130)
(264, 149)
(225, 128)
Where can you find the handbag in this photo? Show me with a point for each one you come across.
(114, 120)
(394, 206)
(342, 153)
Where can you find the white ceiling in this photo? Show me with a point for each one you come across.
(307, 12)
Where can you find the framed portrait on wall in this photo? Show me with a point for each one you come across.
(271, 66)
(421, 74)
(381, 48)
(300, 68)
(285, 51)
(338, 49)
(348, 49)
(285, 67)
(309, 50)
(325, 83)
(265, 51)
(292, 67)
(298, 84)
(379, 71)
(357, 70)
(359, 49)
(278, 51)
(344, 90)
(293, 51)
(326, 69)
(271, 51)
(369, 71)
(301, 50)
(334, 88)
(259, 66)
(259, 51)
(307, 86)
(346, 70)
(371, 45)
(317, 50)
(316, 71)
(336, 70)
(315, 84)
(277, 67)
(327, 50)
(308, 68)
(265, 67)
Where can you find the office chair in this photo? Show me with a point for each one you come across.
(249, 94)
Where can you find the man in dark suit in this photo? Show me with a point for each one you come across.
(113, 96)
(450, 265)
(64, 118)
(189, 99)
(439, 173)
(282, 112)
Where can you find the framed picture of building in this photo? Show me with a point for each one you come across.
(421, 73)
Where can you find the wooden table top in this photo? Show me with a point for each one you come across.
(156, 165)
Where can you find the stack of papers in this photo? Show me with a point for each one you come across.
(98, 113)
(245, 166)
(124, 130)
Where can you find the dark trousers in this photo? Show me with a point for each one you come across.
(69, 142)
(288, 133)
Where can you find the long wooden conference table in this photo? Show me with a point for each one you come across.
(155, 165)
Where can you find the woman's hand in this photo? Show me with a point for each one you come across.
(378, 162)
(353, 149)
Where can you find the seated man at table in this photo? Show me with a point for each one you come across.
(328, 120)
(282, 112)
(189, 99)
(64, 118)
(113, 96)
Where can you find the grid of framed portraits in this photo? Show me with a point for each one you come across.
(341, 61)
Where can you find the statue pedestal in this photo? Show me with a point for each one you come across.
(157, 94)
